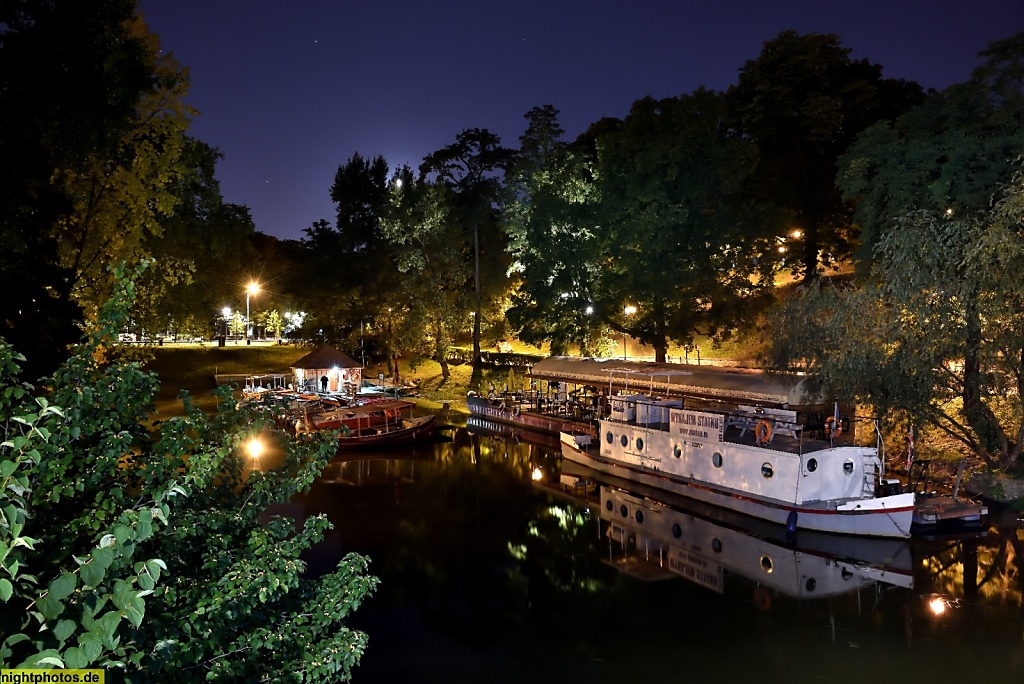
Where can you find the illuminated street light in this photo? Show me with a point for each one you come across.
(252, 289)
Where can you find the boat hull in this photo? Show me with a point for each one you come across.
(550, 425)
(415, 430)
(890, 516)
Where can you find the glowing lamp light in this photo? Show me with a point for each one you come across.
(537, 475)
(251, 289)
(937, 605)
(255, 448)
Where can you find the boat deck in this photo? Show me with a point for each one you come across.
(795, 442)
(935, 510)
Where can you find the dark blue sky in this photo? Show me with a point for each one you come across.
(290, 89)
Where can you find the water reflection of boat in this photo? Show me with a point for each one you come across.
(372, 470)
(483, 426)
(660, 535)
(702, 551)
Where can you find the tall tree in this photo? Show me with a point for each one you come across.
(352, 265)
(934, 335)
(802, 101)
(419, 224)
(953, 154)
(472, 167)
(547, 202)
(199, 251)
(679, 245)
(72, 75)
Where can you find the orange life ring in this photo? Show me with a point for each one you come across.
(763, 432)
(762, 599)
(832, 427)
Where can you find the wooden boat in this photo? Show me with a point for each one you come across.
(753, 460)
(373, 425)
(365, 414)
(514, 410)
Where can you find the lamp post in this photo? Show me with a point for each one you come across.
(252, 289)
(629, 311)
(226, 313)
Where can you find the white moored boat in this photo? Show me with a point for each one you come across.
(753, 460)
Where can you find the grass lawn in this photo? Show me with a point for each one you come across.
(193, 368)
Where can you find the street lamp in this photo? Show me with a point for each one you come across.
(252, 289)
(629, 311)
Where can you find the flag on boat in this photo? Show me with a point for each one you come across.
(910, 448)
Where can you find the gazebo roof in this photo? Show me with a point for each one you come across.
(325, 356)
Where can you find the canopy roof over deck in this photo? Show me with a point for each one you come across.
(675, 379)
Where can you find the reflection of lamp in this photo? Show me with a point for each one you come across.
(252, 289)
(629, 311)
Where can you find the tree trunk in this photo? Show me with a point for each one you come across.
(439, 351)
(477, 360)
(979, 416)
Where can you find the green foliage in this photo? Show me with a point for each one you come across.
(436, 305)
(801, 102)
(472, 169)
(548, 205)
(147, 551)
(935, 336)
(954, 153)
(678, 241)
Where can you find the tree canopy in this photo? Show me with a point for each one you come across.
(145, 550)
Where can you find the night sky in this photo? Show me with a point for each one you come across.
(290, 89)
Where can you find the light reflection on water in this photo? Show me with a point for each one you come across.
(488, 574)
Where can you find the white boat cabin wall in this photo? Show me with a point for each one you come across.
(709, 447)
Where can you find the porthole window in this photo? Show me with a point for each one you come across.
(848, 466)
(812, 465)
(639, 443)
(609, 505)
(624, 511)
(677, 531)
(677, 451)
(716, 545)
(767, 471)
(609, 437)
(639, 516)
(717, 459)
(811, 585)
(767, 565)
(624, 440)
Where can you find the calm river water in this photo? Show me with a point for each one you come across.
(490, 574)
